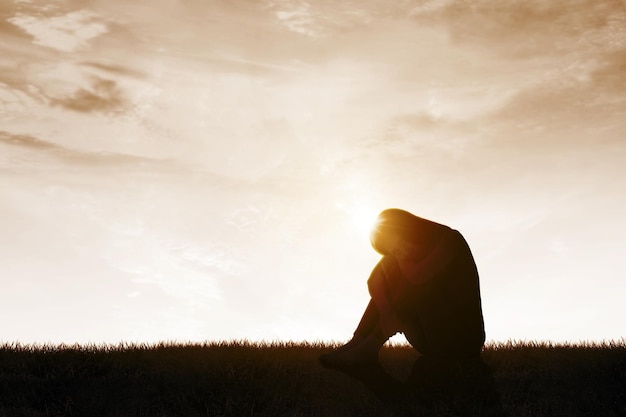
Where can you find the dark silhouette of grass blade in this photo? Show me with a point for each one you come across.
(240, 378)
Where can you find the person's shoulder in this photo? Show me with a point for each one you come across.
(447, 230)
(452, 237)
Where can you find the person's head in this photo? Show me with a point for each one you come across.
(402, 234)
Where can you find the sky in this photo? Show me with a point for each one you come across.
(209, 170)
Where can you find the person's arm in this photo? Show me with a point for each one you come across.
(424, 270)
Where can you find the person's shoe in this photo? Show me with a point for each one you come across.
(356, 353)
(347, 359)
(352, 343)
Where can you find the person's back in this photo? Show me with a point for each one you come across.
(448, 308)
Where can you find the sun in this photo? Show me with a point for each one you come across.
(357, 204)
(360, 217)
(363, 218)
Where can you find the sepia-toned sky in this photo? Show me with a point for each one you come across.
(208, 170)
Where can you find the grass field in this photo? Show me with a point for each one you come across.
(286, 379)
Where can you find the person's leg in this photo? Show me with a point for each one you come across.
(415, 336)
(368, 337)
(370, 318)
(357, 352)
(368, 322)
(364, 345)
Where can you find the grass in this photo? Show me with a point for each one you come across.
(285, 379)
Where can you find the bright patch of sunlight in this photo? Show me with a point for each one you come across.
(358, 204)
(360, 216)
(363, 219)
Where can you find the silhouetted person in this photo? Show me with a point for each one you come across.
(426, 286)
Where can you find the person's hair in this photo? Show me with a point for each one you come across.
(396, 222)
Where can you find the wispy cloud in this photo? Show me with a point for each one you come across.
(531, 28)
(104, 95)
(429, 6)
(65, 32)
(320, 19)
(299, 20)
(115, 69)
(73, 157)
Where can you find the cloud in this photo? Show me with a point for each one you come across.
(558, 107)
(115, 69)
(26, 142)
(68, 32)
(321, 19)
(8, 29)
(299, 20)
(429, 6)
(73, 156)
(525, 29)
(33, 78)
(104, 96)
(609, 76)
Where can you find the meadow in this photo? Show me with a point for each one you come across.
(239, 378)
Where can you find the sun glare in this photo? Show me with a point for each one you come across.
(360, 217)
(357, 203)
(363, 219)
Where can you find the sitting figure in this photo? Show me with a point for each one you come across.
(425, 286)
